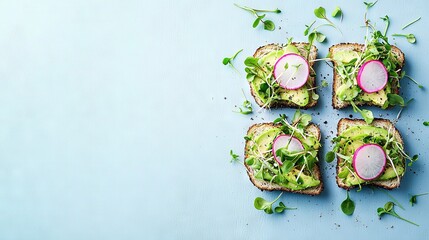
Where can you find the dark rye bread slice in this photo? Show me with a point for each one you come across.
(338, 104)
(264, 50)
(257, 129)
(346, 123)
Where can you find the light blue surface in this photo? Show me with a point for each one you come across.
(116, 122)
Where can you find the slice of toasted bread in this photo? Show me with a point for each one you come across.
(264, 50)
(337, 103)
(257, 129)
(346, 123)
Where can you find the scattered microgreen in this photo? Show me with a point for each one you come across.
(389, 209)
(337, 12)
(282, 207)
(426, 124)
(370, 4)
(387, 21)
(366, 114)
(228, 60)
(395, 100)
(393, 199)
(320, 12)
(348, 206)
(324, 83)
(246, 107)
(234, 157)
(266, 206)
(410, 37)
(410, 23)
(413, 198)
(330, 156)
(414, 81)
(268, 24)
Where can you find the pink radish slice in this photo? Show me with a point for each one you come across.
(282, 141)
(296, 73)
(372, 76)
(369, 161)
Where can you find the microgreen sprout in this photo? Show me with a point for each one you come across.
(330, 156)
(348, 206)
(393, 199)
(410, 23)
(410, 37)
(366, 114)
(246, 107)
(320, 12)
(267, 207)
(389, 209)
(337, 12)
(229, 60)
(387, 21)
(413, 80)
(282, 207)
(268, 24)
(413, 198)
(234, 157)
(370, 4)
(426, 124)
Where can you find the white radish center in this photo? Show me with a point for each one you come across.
(291, 71)
(283, 141)
(372, 77)
(369, 161)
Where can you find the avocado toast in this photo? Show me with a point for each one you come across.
(264, 86)
(293, 166)
(348, 59)
(352, 134)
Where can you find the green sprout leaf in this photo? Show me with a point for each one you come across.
(410, 37)
(395, 99)
(228, 60)
(234, 157)
(269, 25)
(320, 12)
(324, 83)
(337, 12)
(366, 114)
(413, 198)
(281, 208)
(246, 107)
(370, 4)
(266, 206)
(258, 20)
(348, 206)
(389, 209)
(330, 156)
(426, 124)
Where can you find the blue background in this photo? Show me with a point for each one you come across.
(116, 122)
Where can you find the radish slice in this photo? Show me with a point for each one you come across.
(372, 76)
(291, 71)
(369, 161)
(282, 141)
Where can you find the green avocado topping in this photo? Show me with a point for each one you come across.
(354, 137)
(260, 75)
(297, 169)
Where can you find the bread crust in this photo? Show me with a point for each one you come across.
(265, 185)
(263, 50)
(338, 104)
(344, 124)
